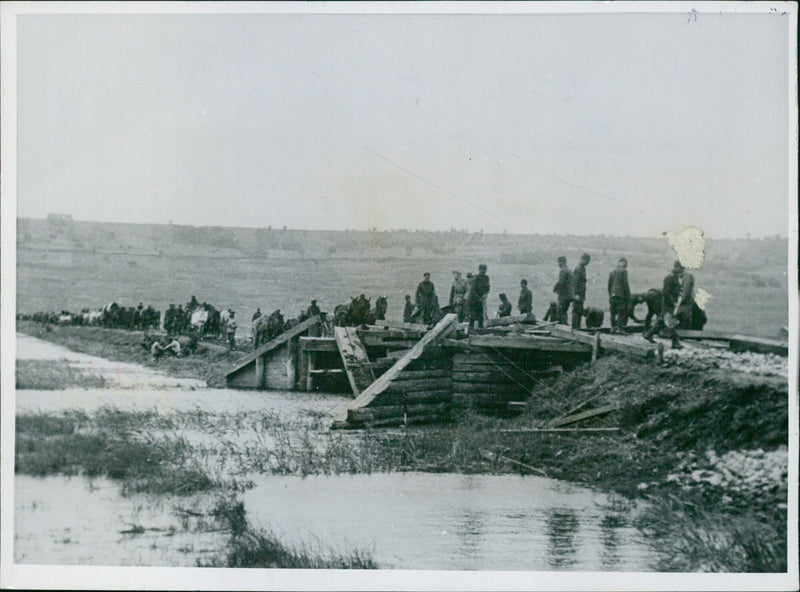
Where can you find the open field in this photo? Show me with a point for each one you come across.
(84, 264)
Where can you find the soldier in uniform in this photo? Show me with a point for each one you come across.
(505, 307)
(669, 299)
(230, 330)
(619, 295)
(652, 298)
(408, 311)
(594, 317)
(313, 309)
(481, 287)
(525, 302)
(684, 308)
(426, 299)
(579, 279)
(458, 295)
(552, 313)
(564, 289)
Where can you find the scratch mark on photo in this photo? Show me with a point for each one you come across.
(432, 184)
(563, 180)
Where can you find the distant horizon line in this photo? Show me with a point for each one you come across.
(390, 230)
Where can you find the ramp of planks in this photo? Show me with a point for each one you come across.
(354, 357)
(443, 328)
(270, 345)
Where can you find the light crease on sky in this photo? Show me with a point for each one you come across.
(542, 123)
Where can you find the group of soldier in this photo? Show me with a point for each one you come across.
(673, 306)
(111, 316)
(201, 319)
(467, 299)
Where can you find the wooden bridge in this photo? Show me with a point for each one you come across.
(400, 373)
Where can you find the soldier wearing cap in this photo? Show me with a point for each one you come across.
(458, 295)
(579, 279)
(408, 310)
(313, 310)
(426, 299)
(481, 287)
(564, 289)
(525, 302)
(505, 307)
(619, 295)
(230, 329)
(670, 296)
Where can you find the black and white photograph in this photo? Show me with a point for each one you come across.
(399, 295)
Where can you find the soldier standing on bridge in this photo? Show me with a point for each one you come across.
(564, 289)
(426, 299)
(579, 278)
(230, 330)
(481, 288)
(458, 295)
(525, 302)
(619, 294)
(408, 310)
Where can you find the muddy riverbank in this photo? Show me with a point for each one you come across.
(681, 433)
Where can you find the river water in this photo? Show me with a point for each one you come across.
(408, 520)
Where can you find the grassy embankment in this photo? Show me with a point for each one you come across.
(209, 364)
(120, 445)
(668, 418)
(53, 374)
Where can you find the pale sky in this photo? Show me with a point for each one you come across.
(582, 124)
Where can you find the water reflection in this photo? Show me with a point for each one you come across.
(562, 526)
(470, 532)
(611, 525)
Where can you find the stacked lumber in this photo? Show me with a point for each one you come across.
(489, 381)
(416, 389)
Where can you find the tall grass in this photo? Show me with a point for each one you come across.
(250, 547)
(689, 536)
(60, 444)
(53, 375)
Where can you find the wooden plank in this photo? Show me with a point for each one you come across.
(443, 328)
(319, 344)
(526, 318)
(562, 421)
(719, 335)
(489, 367)
(566, 332)
(397, 353)
(501, 377)
(407, 420)
(380, 364)
(323, 371)
(395, 325)
(607, 342)
(471, 387)
(422, 397)
(408, 386)
(310, 363)
(354, 356)
(419, 374)
(377, 341)
(495, 458)
(744, 343)
(387, 333)
(270, 345)
(528, 342)
(459, 344)
(372, 413)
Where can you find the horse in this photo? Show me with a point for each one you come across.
(267, 328)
